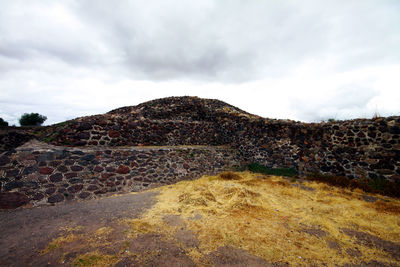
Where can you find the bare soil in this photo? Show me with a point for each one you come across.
(99, 227)
(26, 232)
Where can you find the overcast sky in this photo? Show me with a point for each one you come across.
(303, 60)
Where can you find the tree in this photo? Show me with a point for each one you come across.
(32, 119)
(3, 122)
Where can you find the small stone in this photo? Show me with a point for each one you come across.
(61, 190)
(75, 168)
(29, 170)
(105, 176)
(48, 156)
(110, 169)
(12, 185)
(92, 187)
(31, 184)
(84, 126)
(76, 180)
(62, 168)
(123, 169)
(98, 169)
(46, 170)
(113, 134)
(70, 175)
(55, 198)
(12, 173)
(38, 196)
(75, 188)
(69, 162)
(57, 177)
(84, 135)
(12, 200)
(84, 195)
(88, 157)
(78, 152)
(50, 190)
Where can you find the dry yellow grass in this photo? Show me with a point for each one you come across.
(59, 242)
(270, 218)
(94, 259)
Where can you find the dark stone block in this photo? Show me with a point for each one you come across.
(394, 130)
(75, 188)
(75, 168)
(55, 198)
(113, 134)
(42, 164)
(88, 157)
(12, 185)
(100, 192)
(12, 173)
(110, 169)
(55, 163)
(98, 169)
(48, 156)
(12, 200)
(84, 126)
(84, 135)
(4, 160)
(57, 177)
(62, 168)
(84, 195)
(123, 169)
(61, 154)
(31, 184)
(76, 180)
(84, 163)
(92, 188)
(38, 196)
(70, 175)
(69, 162)
(46, 170)
(50, 190)
(61, 190)
(78, 152)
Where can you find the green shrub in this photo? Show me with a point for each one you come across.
(32, 119)
(3, 122)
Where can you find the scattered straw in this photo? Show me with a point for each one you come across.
(267, 216)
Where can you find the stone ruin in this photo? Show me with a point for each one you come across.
(166, 140)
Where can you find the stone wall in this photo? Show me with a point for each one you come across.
(12, 137)
(363, 148)
(357, 149)
(95, 158)
(45, 175)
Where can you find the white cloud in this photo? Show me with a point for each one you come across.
(304, 60)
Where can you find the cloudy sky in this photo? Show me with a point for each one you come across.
(305, 60)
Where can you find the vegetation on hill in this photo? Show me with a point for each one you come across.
(32, 119)
(3, 122)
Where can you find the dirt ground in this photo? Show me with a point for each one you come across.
(24, 233)
(27, 233)
(107, 232)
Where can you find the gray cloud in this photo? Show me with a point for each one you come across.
(60, 48)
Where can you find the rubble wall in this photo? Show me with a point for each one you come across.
(47, 176)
